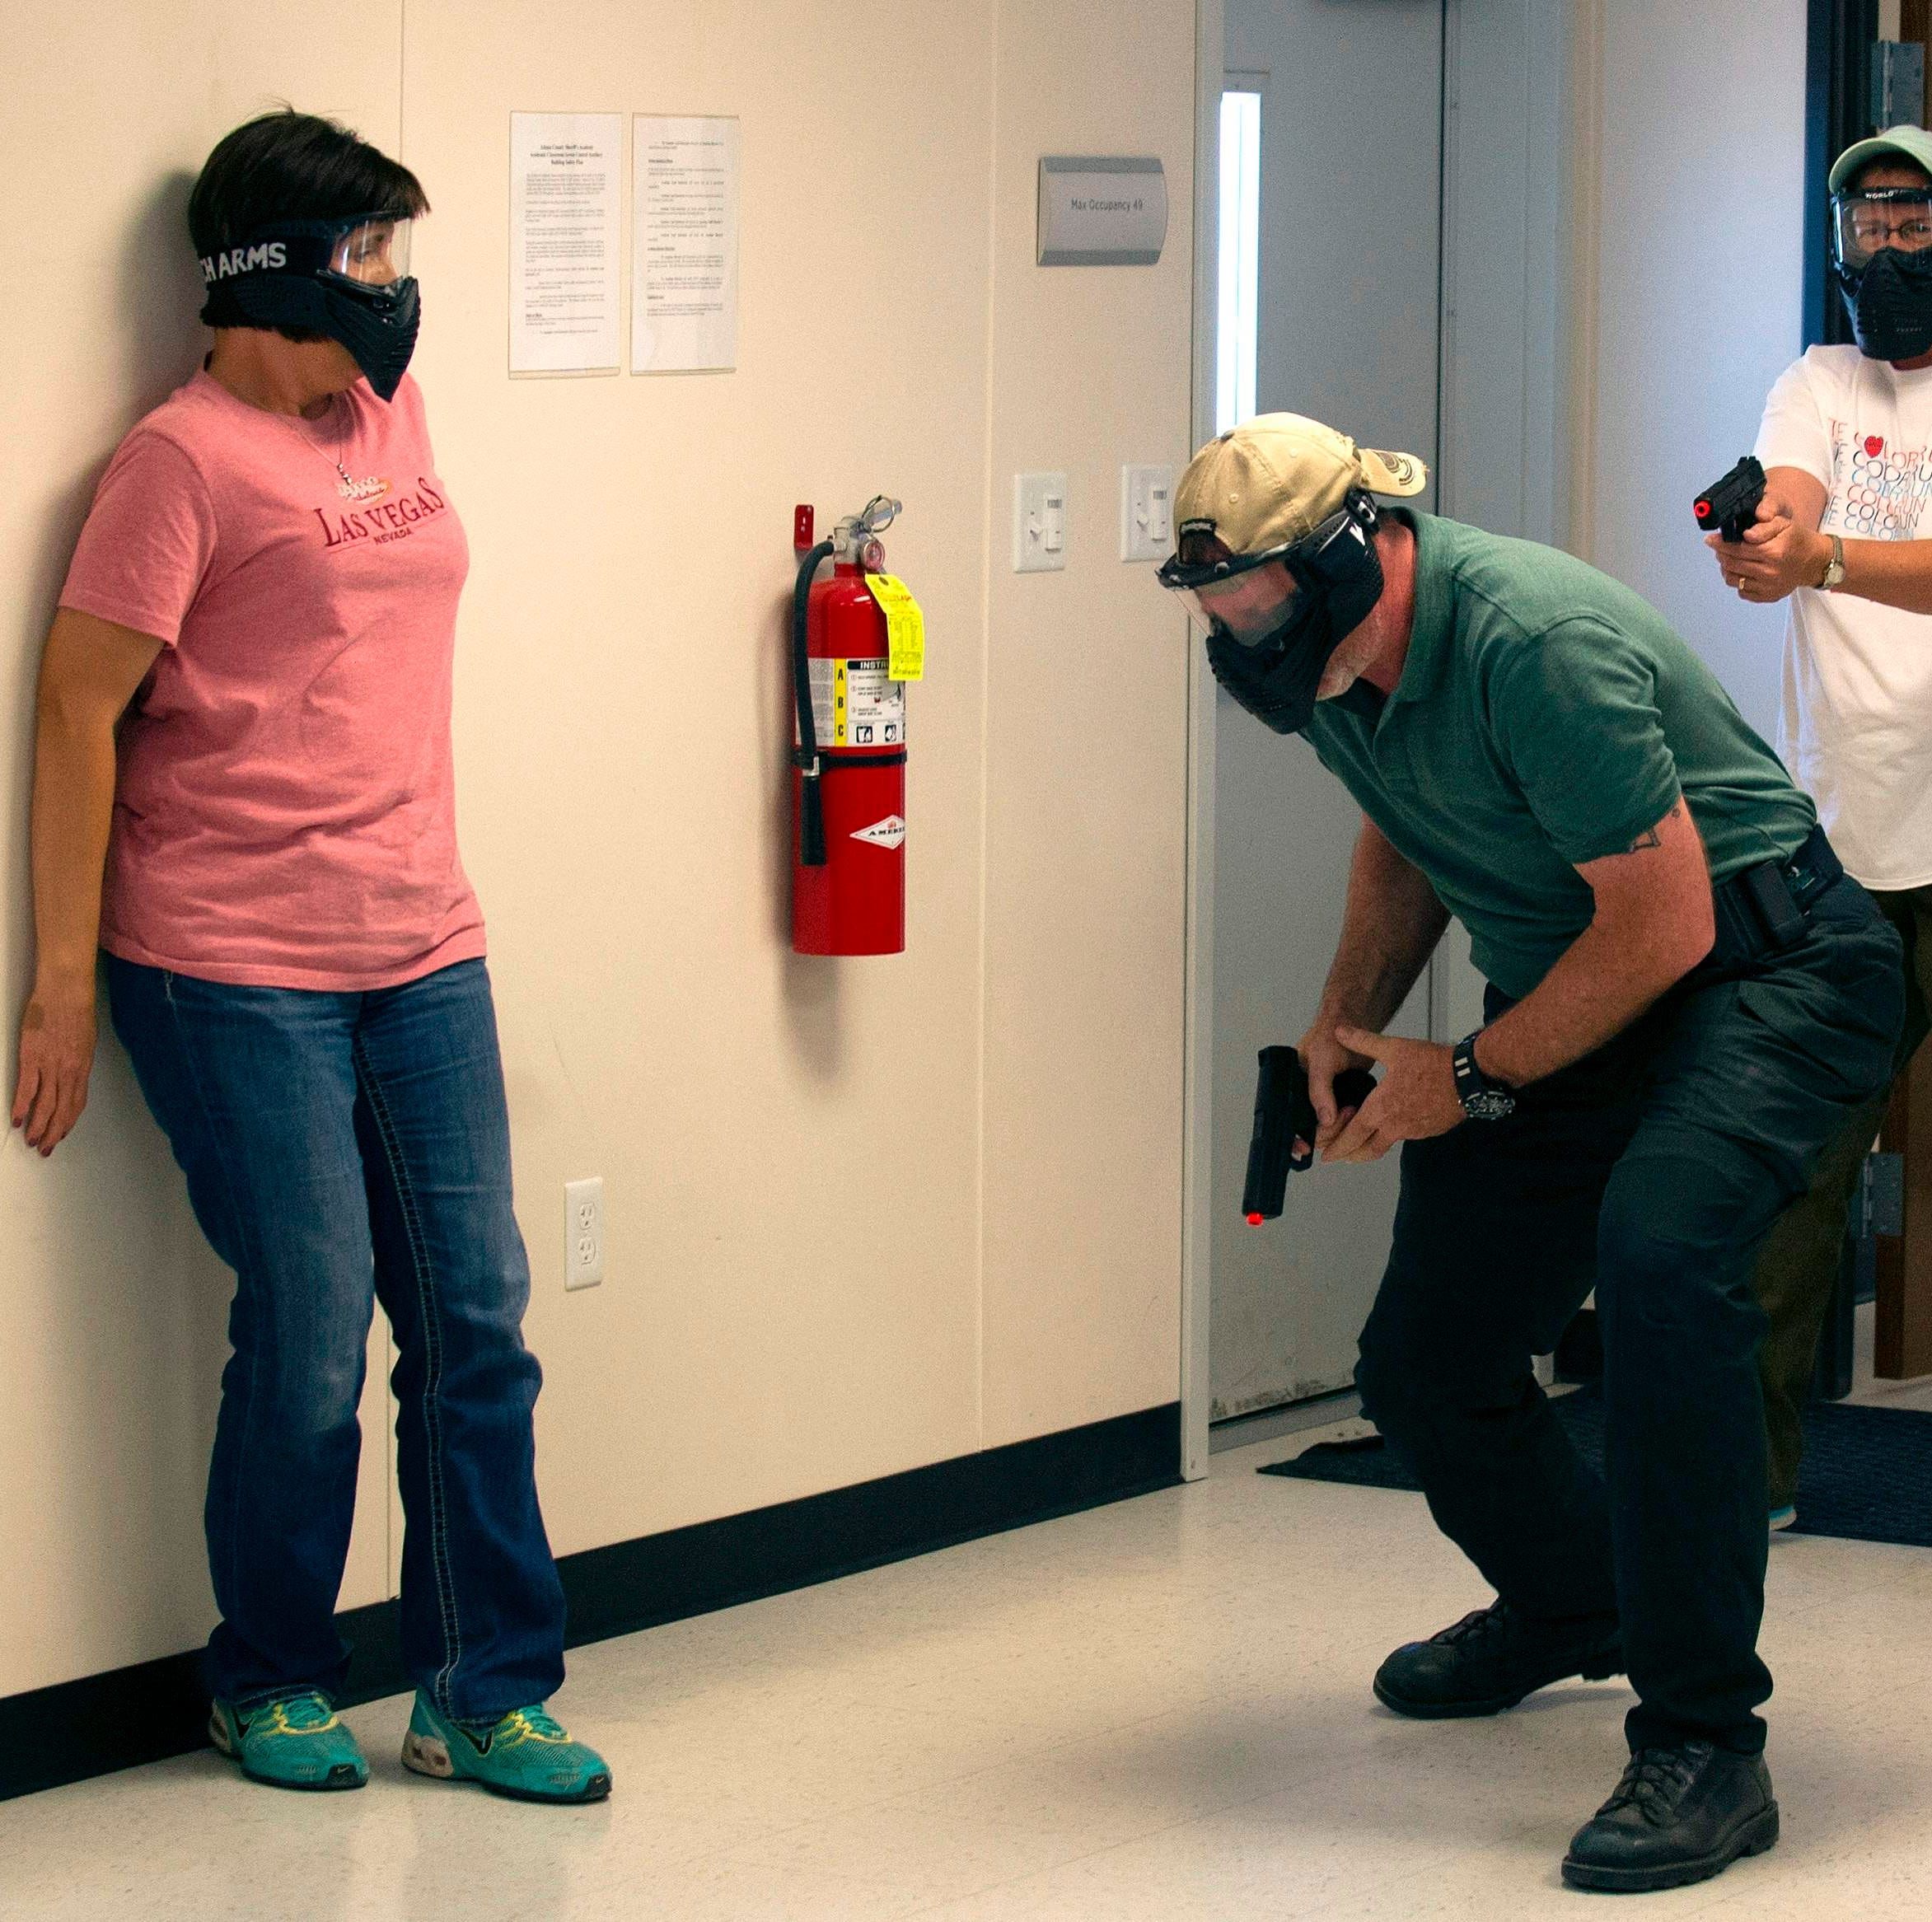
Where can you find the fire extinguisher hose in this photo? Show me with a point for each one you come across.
(811, 817)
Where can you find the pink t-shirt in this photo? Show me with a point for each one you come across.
(285, 811)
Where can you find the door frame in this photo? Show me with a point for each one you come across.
(1197, 1133)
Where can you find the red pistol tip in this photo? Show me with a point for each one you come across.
(1254, 1221)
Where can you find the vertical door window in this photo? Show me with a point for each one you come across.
(1238, 324)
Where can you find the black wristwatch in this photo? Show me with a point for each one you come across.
(1482, 1099)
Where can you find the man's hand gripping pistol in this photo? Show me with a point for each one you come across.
(1285, 1115)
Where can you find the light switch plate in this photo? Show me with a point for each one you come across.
(1039, 522)
(1147, 512)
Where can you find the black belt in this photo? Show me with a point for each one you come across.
(1765, 910)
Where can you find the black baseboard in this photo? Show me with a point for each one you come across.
(77, 1729)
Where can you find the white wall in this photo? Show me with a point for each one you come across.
(1699, 282)
(1086, 771)
(861, 1216)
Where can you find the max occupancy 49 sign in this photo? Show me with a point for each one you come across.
(1097, 212)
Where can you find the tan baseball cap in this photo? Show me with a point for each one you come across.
(1909, 143)
(1276, 478)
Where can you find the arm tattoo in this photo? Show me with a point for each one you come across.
(1649, 837)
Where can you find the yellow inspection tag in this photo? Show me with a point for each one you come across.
(905, 627)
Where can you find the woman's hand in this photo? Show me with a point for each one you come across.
(1777, 554)
(56, 1057)
(89, 671)
(1415, 1099)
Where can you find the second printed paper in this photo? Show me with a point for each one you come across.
(684, 311)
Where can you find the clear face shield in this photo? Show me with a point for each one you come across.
(373, 252)
(1244, 596)
(1864, 224)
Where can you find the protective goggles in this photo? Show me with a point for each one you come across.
(1244, 593)
(371, 249)
(374, 252)
(1863, 224)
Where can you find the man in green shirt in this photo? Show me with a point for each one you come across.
(1686, 994)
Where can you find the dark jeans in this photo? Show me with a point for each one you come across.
(1651, 1169)
(342, 1149)
(1798, 1266)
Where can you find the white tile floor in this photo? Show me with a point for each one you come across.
(1158, 1709)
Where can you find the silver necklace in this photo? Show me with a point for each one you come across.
(346, 486)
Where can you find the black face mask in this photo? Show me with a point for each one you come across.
(1276, 678)
(1890, 303)
(378, 325)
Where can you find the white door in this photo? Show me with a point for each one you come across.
(1346, 297)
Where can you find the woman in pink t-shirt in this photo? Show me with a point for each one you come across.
(263, 604)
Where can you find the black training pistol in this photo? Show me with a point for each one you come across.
(1284, 1115)
(1731, 506)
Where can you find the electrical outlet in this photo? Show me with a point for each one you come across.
(583, 1232)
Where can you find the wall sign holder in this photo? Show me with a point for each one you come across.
(1102, 211)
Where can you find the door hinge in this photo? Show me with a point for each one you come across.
(1881, 1195)
(1898, 83)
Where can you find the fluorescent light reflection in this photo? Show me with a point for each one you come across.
(1237, 323)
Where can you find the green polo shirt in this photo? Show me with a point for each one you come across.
(1546, 717)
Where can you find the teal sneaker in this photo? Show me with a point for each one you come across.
(526, 1755)
(298, 1741)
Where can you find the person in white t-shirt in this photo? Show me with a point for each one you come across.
(1844, 537)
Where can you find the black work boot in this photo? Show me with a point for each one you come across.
(1490, 1660)
(1679, 1815)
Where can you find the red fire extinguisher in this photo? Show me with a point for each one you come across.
(849, 756)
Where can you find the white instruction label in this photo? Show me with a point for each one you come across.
(855, 704)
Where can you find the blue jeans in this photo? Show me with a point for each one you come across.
(342, 1149)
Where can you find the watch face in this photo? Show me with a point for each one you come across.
(1489, 1104)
